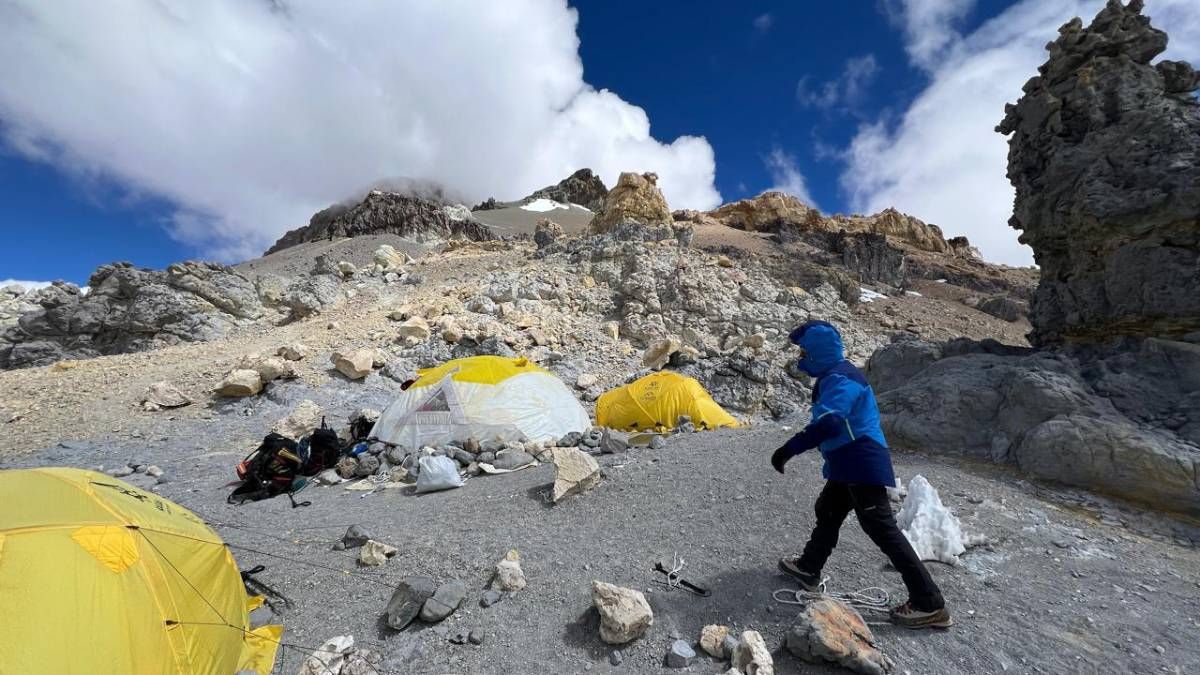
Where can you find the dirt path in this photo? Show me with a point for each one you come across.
(1059, 591)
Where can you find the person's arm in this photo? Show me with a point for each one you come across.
(838, 394)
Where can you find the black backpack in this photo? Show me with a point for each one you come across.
(268, 471)
(324, 448)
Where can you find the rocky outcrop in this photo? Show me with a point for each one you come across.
(383, 212)
(1123, 419)
(897, 227)
(769, 212)
(131, 309)
(582, 187)
(1103, 156)
(635, 198)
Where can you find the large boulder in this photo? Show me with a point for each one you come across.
(769, 212)
(830, 631)
(1124, 419)
(1103, 155)
(575, 471)
(635, 198)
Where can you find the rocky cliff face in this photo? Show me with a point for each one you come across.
(582, 187)
(1105, 158)
(769, 212)
(383, 212)
(130, 309)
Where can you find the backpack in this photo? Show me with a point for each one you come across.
(324, 448)
(268, 471)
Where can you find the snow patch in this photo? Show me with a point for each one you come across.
(581, 208)
(913, 294)
(930, 526)
(868, 295)
(942, 281)
(541, 205)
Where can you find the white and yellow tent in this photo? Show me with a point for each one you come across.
(655, 402)
(98, 576)
(482, 397)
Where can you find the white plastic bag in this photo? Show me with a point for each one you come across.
(437, 473)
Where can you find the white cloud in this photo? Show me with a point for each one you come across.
(786, 176)
(929, 26)
(846, 92)
(943, 161)
(251, 115)
(763, 22)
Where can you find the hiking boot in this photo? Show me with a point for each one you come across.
(909, 617)
(809, 582)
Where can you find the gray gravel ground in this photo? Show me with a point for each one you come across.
(1070, 583)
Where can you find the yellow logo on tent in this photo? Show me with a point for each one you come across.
(656, 401)
(141, 584)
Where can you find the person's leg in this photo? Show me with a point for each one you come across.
(832, 507)
(874, 513)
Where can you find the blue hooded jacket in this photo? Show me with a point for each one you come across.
(845, 417)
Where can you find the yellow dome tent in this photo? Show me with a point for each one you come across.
(484, 397)
(656, 401)
(100, 576)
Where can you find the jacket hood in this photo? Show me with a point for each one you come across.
(822, 345)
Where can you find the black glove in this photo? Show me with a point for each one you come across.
(781, 457)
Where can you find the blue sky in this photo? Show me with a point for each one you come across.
(231, 122)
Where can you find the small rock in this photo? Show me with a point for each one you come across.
(680, 655)
(491, 597)
(509, 575)
(729, 644)
(658, 354)
(367, 465)
(153, 471)
(356, 364)
(615, 658)
(374, 553)
(356, 535)
(755, 341)
(612, 442)
(611, 329)
(712, 640)
(575, 471)
(121, 472)
(164, 395)
(239, 383)
(624, 613)
(347, 467)
(752, 656)
(415, 329)
(509, 460)
(475, 637)
(657, 442)
(305, 417)
(570, 440)
(293, 352)
(406, 602)
(459, 638)
(724, 261)
(444, 602)
(586, 380)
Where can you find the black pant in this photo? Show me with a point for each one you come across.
(870, 503)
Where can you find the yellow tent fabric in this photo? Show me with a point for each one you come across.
(656, 401)
(478, 369)
(99, 576)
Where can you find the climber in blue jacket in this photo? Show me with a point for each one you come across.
(858, 471)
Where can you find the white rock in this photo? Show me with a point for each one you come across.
(328, 658)
(388, 258)
(712, 640)
(624, 613)
(154, 471)
(242, 382)
(270, 368)
(347, 269)
(752, 656)
(659, 353)
(575, 471)
(375, 553)
(930, 526)
(356, 364)
(509, 575)
(305, 417)
(612, 329)
(586, 381)
(415, 329)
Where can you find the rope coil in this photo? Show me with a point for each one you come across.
(871, 598)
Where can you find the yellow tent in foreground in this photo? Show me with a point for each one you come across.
(98, 576)
(656, 401)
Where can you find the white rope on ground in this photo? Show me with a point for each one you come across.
(677, 564)
(872, 598)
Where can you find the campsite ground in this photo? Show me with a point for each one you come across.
(1069, 583)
